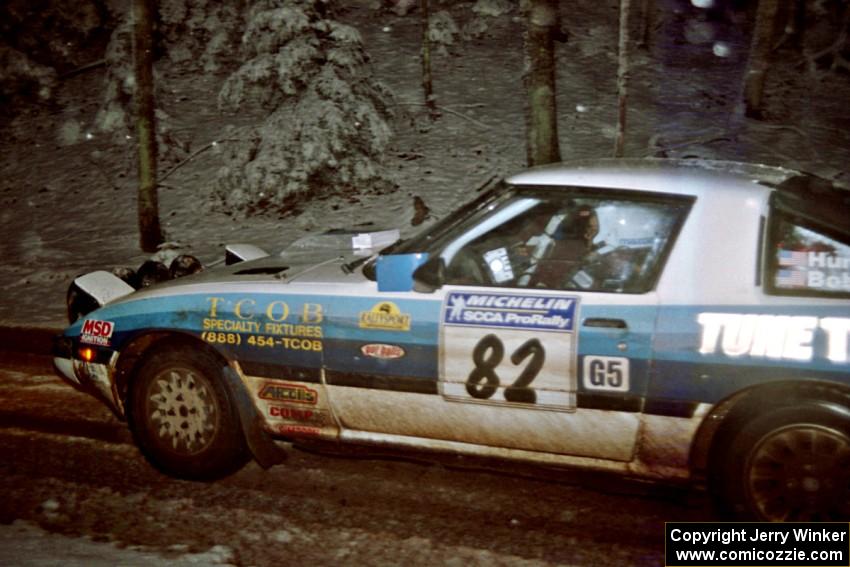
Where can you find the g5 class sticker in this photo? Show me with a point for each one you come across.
(605, 373)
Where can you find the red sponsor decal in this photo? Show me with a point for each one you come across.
(295, 414)
(379, 350)
(301, 430)
(96, 332)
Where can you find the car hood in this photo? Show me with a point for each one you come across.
(302, 267)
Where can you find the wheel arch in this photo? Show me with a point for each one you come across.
(729, 415)
(140, 346)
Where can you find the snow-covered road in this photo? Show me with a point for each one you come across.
(69, 467)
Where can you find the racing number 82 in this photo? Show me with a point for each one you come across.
(483, 381)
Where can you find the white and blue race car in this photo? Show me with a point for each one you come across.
(680, 320)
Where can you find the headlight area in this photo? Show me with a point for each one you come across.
(89, 367)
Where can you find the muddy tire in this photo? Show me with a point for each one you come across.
(790, 464)
(183, 416)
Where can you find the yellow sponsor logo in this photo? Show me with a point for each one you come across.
(385, 316)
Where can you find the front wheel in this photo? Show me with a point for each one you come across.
(183, 417)
(791, 464)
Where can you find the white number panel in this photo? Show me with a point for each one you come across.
(509, 349)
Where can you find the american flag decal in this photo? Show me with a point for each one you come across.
(791, 278)
(793, 258)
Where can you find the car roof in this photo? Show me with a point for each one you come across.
(675, 176)
(802, 194)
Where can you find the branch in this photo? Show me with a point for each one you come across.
(789, 161)
(703, 140)
(87, 67)
(450, 111)
(762, 126)
(836, 47)
(194, 154)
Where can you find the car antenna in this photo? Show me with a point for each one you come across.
(487, 183)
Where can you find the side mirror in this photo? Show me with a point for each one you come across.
(430, 276)
(394, 272)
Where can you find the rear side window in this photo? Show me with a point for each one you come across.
(805, 259)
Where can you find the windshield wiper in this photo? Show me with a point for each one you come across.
(354, 264)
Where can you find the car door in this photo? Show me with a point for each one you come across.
(550, 350)
(553, 372)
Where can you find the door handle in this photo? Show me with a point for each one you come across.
(603, 322)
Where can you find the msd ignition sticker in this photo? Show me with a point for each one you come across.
(509, 349)
(96, 332)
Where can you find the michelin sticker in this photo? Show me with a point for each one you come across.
(509, 349)
(533, 312)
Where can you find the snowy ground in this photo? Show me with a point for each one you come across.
(70, 467)
(25, 545)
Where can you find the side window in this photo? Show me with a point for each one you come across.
(807, 261)
(566, 241)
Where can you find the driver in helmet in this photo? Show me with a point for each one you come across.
(573, 242)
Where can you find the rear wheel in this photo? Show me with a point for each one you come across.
(183, 417)
(792, 464)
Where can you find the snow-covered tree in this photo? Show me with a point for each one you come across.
(328, 122)
(201, 32)
(115, 117)
(21, 77)
(41, 41)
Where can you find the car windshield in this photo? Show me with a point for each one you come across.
(425, 240)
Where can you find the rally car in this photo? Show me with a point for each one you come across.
(665, 319)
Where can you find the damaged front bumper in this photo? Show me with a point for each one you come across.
(89, 368)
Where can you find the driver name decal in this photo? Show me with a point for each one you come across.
(529, 312)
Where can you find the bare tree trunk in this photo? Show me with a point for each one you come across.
(427, 86)
(150, 232)
(542, 115)
(622, 78)
(647, 11)
(759, 60)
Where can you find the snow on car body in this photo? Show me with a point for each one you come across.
(665, 319)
